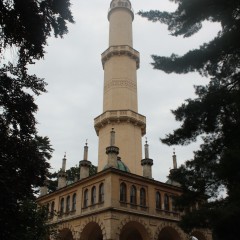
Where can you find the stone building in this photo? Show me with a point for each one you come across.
(121, 201)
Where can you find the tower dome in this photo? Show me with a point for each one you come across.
(120, 166)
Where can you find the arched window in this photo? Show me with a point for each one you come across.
(93, 195)
(158, 200)
(74, 199)
(133, 195)
(68, 204)
(174, 206)
(123, 192)
(62, 206)
(166, 202)
(85, 201)
(47, 208)
(52, 209)
(101, 193)
(142, 197)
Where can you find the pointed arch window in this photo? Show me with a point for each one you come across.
(133, 195)
(85, 199)
(68, 204)
(101, 193)
(93, 195)
(158, 200)
(123, 192)
(143, 197)
(62, 206)
(74, 200)
(166, 202)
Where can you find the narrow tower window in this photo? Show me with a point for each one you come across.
(101, 193)
(85, 201)
(158, 200)
(62, 206)
(68, 204)
(166, 202)
(74, 199)
(123, 192)
(142, 197)
(93, 195)
(133, 195)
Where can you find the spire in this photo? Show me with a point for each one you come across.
(146, 149)
(112, 151)
(147, 162)
(62, 175)
(85, 155)
(44, 188)
(112, 138)
(85, 164)
(64, 163)
(174, 159)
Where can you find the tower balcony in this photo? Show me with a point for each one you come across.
(118, 116)
(119, 51)
(121, 4)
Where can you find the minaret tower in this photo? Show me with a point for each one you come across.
(120, 105)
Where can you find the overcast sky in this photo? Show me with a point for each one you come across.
(73, 70)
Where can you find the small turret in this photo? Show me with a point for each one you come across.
(62, 175)
(44, 189)
(170, 181)
(147, 162)
(174, 159)
(85, 164)
(112, 151)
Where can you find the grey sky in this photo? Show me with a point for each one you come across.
(72, 68)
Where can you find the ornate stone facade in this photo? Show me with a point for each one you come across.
(117, 205)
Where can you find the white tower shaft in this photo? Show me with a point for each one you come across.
(120, 105)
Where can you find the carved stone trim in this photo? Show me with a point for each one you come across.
(119, 116)
(120, 83)
(120, 51)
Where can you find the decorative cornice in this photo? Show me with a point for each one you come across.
(112, 149)
(147, 161)
(121, 50)
(85, 163)
(119, 116)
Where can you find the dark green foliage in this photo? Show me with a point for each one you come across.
(25, 27)
(214, 114)
(35, 218)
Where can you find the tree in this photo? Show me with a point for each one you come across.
(213, 115)
(25, 27)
